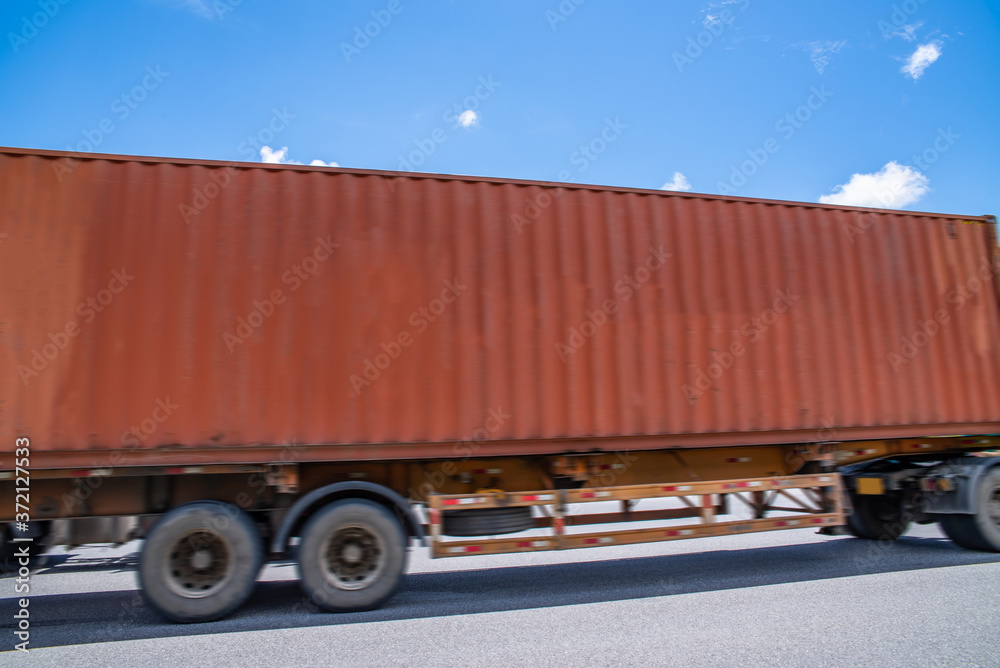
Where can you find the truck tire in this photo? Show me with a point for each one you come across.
(486, 521)
(982, 530)
(876, 518)
(352, 556)
(200, 561)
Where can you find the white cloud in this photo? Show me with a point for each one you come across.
(680, 182)
(280, 157)
(468, 119)
(821, 53)
(892, 187)
(717, 12)
(269, 155)
(921, 59)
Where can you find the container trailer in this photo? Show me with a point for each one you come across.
(238, 362)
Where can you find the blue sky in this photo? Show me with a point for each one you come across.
(801, 101)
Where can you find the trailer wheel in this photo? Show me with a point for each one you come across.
(486, 521)
(982, 530)
(876, 518)
(352, 556)
(200, 561)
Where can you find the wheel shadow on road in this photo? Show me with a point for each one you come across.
(120, 615)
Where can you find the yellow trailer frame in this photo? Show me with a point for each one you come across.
(823, 507)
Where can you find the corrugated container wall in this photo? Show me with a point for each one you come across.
(184, 305)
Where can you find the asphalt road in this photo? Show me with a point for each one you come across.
(787, 598)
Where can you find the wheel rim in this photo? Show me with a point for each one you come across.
(993, 505)
(353, 557)
(199, 564)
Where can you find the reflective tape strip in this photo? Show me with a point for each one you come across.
(463, 502)
(788, 523)
(737, 460)
(533, 543)
(680, 532)
(677, 488)
(595, 541)
(536, 497)
(466, 548)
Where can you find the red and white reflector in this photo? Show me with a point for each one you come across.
(463, 502)
(533, 543)
(594, 495)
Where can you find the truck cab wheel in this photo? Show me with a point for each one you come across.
(352, 556)
(200, 561)
(982, 530)
(876, 517)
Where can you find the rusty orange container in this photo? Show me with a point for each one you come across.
(181, 311)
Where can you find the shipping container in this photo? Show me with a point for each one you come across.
(370, 315)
